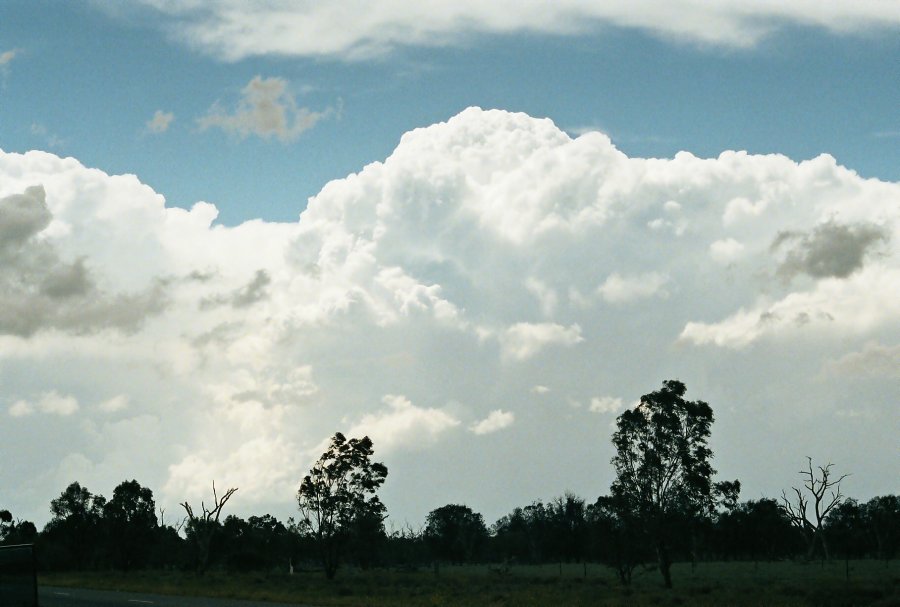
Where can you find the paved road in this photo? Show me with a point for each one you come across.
(50, 596)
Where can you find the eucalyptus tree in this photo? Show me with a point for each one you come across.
(663, 469)
(130, 520)
(455, 533)
(338, 497)
(75, 526)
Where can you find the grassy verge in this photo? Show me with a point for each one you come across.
(711, 584)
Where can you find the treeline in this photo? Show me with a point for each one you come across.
(663, 506)
(89, 532)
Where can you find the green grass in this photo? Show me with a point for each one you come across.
(710, 584)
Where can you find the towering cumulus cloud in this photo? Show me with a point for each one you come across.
(422, 300)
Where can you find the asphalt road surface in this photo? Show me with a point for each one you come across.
(51, 596)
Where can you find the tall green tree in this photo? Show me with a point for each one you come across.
(568, 524)
(663, 469)
(130, 521)
(455, 533)
(756, 529)
(338, 493)
(77, 514)
(615, 537)
(883, 521)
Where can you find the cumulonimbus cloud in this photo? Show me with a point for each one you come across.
(449, 272)
(41, 290)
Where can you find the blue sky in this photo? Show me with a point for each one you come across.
(88, 79)
(480, 291)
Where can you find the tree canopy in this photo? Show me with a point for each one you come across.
(663, 465)
(454, 532)
(339, 493)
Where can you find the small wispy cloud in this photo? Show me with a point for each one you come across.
(618, 289)
(266, 109)
(605, 404)
(160, 122)
(51, 140)
(6, 57)
(494, 422)
(874, 360)
(114, 404)
(890, 134)
(50, 402)
(524, 340)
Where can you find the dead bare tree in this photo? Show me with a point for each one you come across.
(201, 528)
(810, 523)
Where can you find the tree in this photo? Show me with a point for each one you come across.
(883, 519)
(75, 524)
(825, 492)
(333, 497)
(130, 519)
(18, 532)
(201, 529)
(259, 543)
(663, 469)
(846, 528)
(454, 533)
(756, 529)
(6, 522)
(615, 538)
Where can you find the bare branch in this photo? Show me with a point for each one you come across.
(818, 482)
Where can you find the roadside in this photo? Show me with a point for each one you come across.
(57, 596)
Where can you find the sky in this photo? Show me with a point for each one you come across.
(476, 232)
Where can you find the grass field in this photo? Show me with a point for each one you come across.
(739, 584)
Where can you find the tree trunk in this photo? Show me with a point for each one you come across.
(329, 560)
(824, 543)
(665, 564)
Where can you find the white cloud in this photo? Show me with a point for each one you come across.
(57, 404)
(524, 340)
(725, 251)
(495, 421)
(403, 424)
(546, 296)
(51, 402)
(618, 289)
(51, 140)
(849, 307)
(234, 30)
(266, 109)
(114, 404)
(539, 389)
(463, 268)
(605, 404)
(21, 408)
(160, 122)
(6, 57)
(874, 360)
